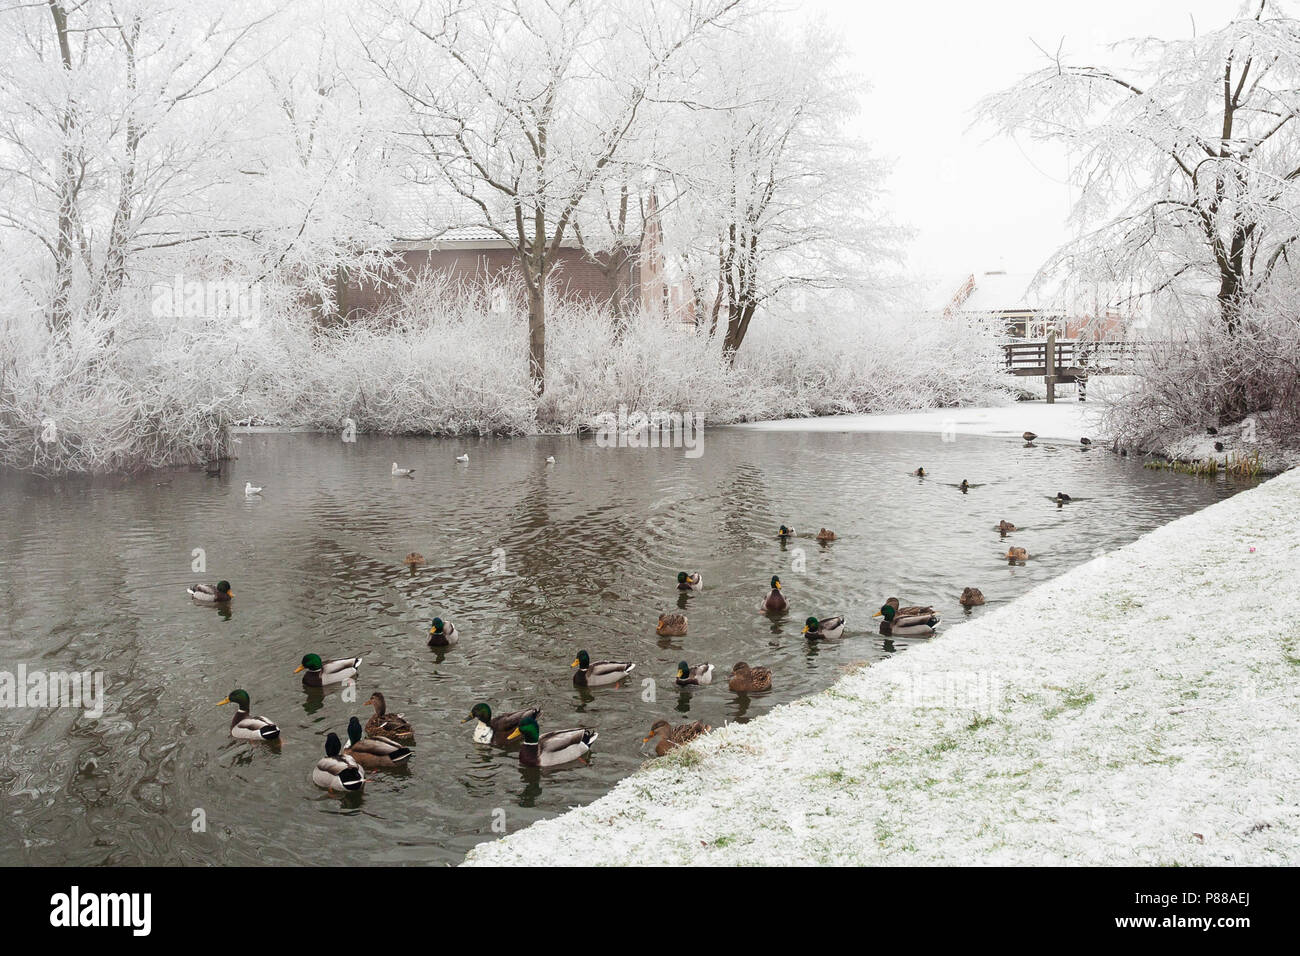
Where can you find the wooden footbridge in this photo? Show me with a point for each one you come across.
(1070, 361)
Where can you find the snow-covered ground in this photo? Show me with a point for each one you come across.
(1143, 708)
(1062, 421)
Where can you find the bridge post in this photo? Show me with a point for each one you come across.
(1049, 367)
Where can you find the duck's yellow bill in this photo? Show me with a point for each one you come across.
(646, 737)
(679, 674)
(513, 734)
(225, 701)
(468, 719)
(877, 614)
(805, 629)
(777, 585)
(575, 660)
(299, 668)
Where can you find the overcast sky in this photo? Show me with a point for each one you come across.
(977, 204)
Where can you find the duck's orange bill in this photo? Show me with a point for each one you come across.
(513, 734)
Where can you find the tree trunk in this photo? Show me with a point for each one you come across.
(65, 246)
(537, 337)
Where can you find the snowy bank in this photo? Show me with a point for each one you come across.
(1142, 708)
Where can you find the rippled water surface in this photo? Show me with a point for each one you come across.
(532, 561)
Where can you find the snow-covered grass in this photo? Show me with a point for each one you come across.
(1142, 708)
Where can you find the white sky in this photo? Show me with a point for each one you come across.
(978, 204)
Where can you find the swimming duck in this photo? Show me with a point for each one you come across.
(402, 472)
(1062, 498)
(964, 486)
(550, 459)
(245, 726)
(689, 582)
(912, 610)
(831, 627)
(898, 625)
(549, 750)
(971, 597)
(413, 560)
(497, 730)
(250, 491)
(671, 625)
(442, 633)
(1085, 442)
(374, 752)
(462, 458)
(337, 771)
(209, 594)
(599, 673)
(825, 534)
(697, 676)
(785, 532)
(919, 473)
(1029, 437)
(750, 680)
(320, 673)
(775, 600)
(671, 737)
(383, 724)
(1017, 554)
(1005, 527)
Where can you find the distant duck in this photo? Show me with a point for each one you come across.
(442, 633)
(825, 534)
(784, 532)
(1218, 446)
(550, 459)
(964, 486)
(1085, 442)
(700, 675)
(462, 458)
(210, 594)
(383, 724)
(912, 610)
(775, 600)
(402, 472)
(830, 627)
(1006, 527)
(598, 673)
(689, 582)
(671, 737)
(1211, 430)
(1029, 437)
(550, 750)
(1062, 498)
(243, 725)
(322, 673)
(1017, 554)
(750, 680)
(250, 491)
(971, 597)
(497, 730)
(671, 625)
(898, 624)
(919, 473)
(413, 560)
(374, 752)
(335, 771)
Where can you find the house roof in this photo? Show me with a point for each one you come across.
(993, 292)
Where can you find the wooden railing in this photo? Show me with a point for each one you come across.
(1073, 358)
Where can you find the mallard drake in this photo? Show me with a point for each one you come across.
(413, 560)
(383, 724)
(402, 472)
(219, 593)
(1017, 554)
(671, 737)
(250, 491)
(831, 627)
(1028, 437)
(497, 730)
(320, 673)
(919, 473)
(897, 624)
(336, 771)
(550, 750)
(671, 625)
(599, 673)
(243, 725)
(784, 532)
(697, 676)
(750, 680)
(775, 600)
(971, 597)
(825, 534)
(1006, 526)
(689, 582)
(442, 633)
(912, 610)
(374, 752)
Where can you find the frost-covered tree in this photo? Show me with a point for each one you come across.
(1186, 158)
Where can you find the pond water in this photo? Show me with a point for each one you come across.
(531, 561)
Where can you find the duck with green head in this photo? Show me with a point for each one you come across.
(698, 676)
(442, 633)
(689, 582)
(320, 673)
(830, 627)
(784, 532)
(896, 624)
(374, 752)
(336, 770)
(497, 730)
(244, 725)
(775, 600)
(598, 673)
(219, 593)
(550, 750)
